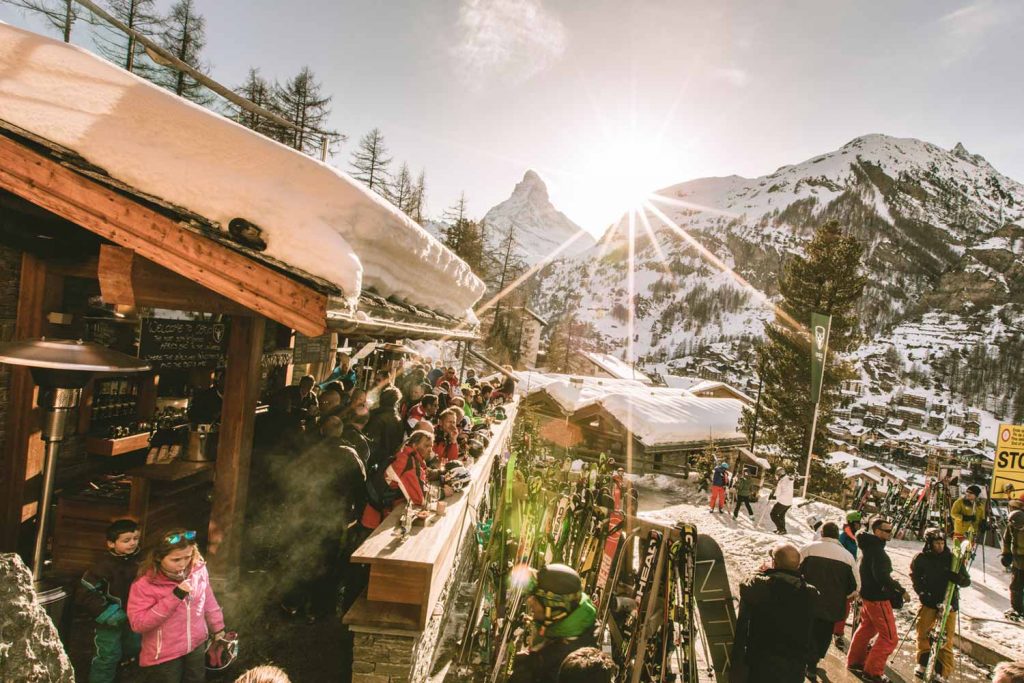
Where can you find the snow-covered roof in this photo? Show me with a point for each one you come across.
(851, 472)
(616, 368)
(313, 217)
(711, 385)
(658, 419)
(529, 381)
(848, 461)
(655, 415)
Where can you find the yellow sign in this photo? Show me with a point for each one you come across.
(1008, 473)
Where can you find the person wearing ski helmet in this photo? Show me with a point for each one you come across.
(931, 572)
(719, 480)
(1012, 557)
(746, 491)
(967, 513)
(564, 617)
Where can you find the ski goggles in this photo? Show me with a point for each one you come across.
(179, 537)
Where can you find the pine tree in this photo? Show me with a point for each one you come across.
(564, 342)
(826, 280)
(260, 92)
(184, 37)
(401, 190)
(370, 161)
(59, 14)
(465, 237)
(123, 49)
(301, 101)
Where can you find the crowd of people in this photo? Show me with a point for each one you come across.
(341, 457)
(796, 606)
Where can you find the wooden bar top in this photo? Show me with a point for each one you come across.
(408, 572)
(426, 542)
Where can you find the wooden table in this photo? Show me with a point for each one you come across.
(408, 573)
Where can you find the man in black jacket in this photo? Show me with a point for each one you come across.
(827, 566)
(384, 428)
(879, 593)
(774, 622)
(932, 571)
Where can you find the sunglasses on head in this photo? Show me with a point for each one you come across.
(175, 539)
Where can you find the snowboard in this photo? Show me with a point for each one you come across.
(714, 603)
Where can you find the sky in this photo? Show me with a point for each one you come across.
(608, 99)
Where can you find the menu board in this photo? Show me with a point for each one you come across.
(311, 349)
(183, 344)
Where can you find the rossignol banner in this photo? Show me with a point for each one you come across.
(1008, 469)
(820, 327)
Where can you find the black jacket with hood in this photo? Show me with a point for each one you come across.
(876, 582)
(773, 627)
(931, 573)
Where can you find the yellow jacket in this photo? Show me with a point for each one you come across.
(966, 516)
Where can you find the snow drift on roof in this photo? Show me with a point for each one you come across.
(657, 419)
(616, 368)
(529, 381)
(314, 217)
(573, 394)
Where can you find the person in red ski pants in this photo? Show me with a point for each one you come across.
(879, 594)
(719, 480)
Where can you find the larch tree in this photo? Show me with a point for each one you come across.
(401, 190)
(826, 279)
(419, 197)
(301, 101)
(184, 36)
(370, 161)
(260, 92)
(59, 14)
(123, 49)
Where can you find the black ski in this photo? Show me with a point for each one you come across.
(714, 603)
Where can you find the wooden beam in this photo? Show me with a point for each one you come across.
(152, 235)
(115, 275)
(23, 422)
(234, 450)
(153, 286)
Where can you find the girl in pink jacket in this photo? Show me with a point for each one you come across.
(172, 605)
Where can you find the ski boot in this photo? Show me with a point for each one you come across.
(919, 671)
(840, 642)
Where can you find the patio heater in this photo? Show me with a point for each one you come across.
(61, 368)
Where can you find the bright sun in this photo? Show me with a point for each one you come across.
(619, 174)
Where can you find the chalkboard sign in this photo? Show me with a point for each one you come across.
(311, 349)
(183, 344)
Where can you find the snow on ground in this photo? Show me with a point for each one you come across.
(746, 541)
(313, 216)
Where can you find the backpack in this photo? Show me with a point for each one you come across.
(379, 493)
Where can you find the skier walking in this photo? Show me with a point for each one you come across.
(564, 617)
(719, 480)
(775, 616)
(880, 593)
(783, 501)
(1013, 557)
(828, 567)
(966, 513)
(746, 492)
(931, 573)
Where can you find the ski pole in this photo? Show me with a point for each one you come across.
(909, 630)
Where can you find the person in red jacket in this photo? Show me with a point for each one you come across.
(172, 605)
(407, 473)
(446, 437)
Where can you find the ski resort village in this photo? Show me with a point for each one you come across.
(511, 341)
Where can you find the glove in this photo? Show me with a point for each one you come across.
(113, 615)
(1006, 559)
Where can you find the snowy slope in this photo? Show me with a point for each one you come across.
(313, 216)
(539, 229)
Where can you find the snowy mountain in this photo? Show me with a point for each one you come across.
(943, 233)
(538, 227)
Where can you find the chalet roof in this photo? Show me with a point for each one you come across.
(659, 420)
(615, 367)
(317, 225)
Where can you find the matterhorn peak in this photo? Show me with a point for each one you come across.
(532, 185)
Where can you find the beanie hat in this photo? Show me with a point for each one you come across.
(975, 489)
